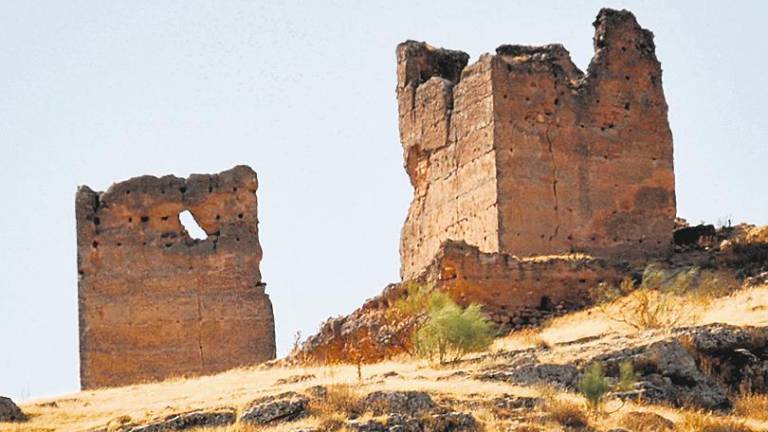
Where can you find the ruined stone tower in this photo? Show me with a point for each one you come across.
(522, 153)
(156, 303)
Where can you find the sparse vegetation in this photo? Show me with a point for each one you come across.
(594, 386)
(752, 405)
(664, 298)
(458, 390)
(643, 421)
(566, 413)
(450, 331)
(339, 399)
(705, 422)
(627, 376)
(419, 299)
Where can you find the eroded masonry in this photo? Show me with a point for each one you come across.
(149, 292)
(533, 182)
(521, 153)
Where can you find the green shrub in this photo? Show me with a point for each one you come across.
(594, 386)
(627, 376)
(419, 299)
(450, 332)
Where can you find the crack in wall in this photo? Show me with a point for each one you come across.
(200, 330)
(554, 186)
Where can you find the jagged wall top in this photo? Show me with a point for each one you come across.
(522, 152)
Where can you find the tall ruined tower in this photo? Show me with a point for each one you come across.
(155, 303)
(522, 153)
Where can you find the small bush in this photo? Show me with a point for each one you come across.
(419, 299)
(450, 332)
(627, 376)
(594, 386)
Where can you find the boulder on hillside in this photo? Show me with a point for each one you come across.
(10, 412)
(284, 407)
(185, 421)
(398, 402)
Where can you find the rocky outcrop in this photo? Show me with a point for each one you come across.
(406, 403)
(366, 335)
(284, 407)
(148, 291)
(522, 153)
(702, 367)
(511, 291)
(448, 422)
(186, 421)
(9, 411)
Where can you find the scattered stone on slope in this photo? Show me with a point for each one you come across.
(293, 379)
(517, 407)
(698, 366)
(398, 402)
(9, 411)
(560, 375)
(185, 421)
(284, 407)
(446, 422)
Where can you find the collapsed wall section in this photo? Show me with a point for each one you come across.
(516, 291)
(446, 127)
(148, 292)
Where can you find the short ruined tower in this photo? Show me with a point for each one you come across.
(156, 303)
(521, 153)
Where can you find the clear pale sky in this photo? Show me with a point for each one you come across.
(93, 92)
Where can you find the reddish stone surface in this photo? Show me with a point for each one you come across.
(533, 181)
(156, 303)
(504, 284)
(522, 153)
(514, 292)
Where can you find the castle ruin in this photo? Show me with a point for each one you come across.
(148, 292)
(523, 154)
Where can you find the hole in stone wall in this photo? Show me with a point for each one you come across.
(191, 225)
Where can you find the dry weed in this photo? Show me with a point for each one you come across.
(752, 405)
(566, 413)
(642, 421)
(340, 401)
(704, 422)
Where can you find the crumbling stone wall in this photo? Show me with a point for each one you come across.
(516, 291)
(522, 153)
(156, 303)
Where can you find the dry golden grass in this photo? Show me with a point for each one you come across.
(703, 422)
(236, 388)
(752, 406)
(340, 400)
(566, 413)
(640, 421)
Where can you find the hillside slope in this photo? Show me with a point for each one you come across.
(525, 382)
